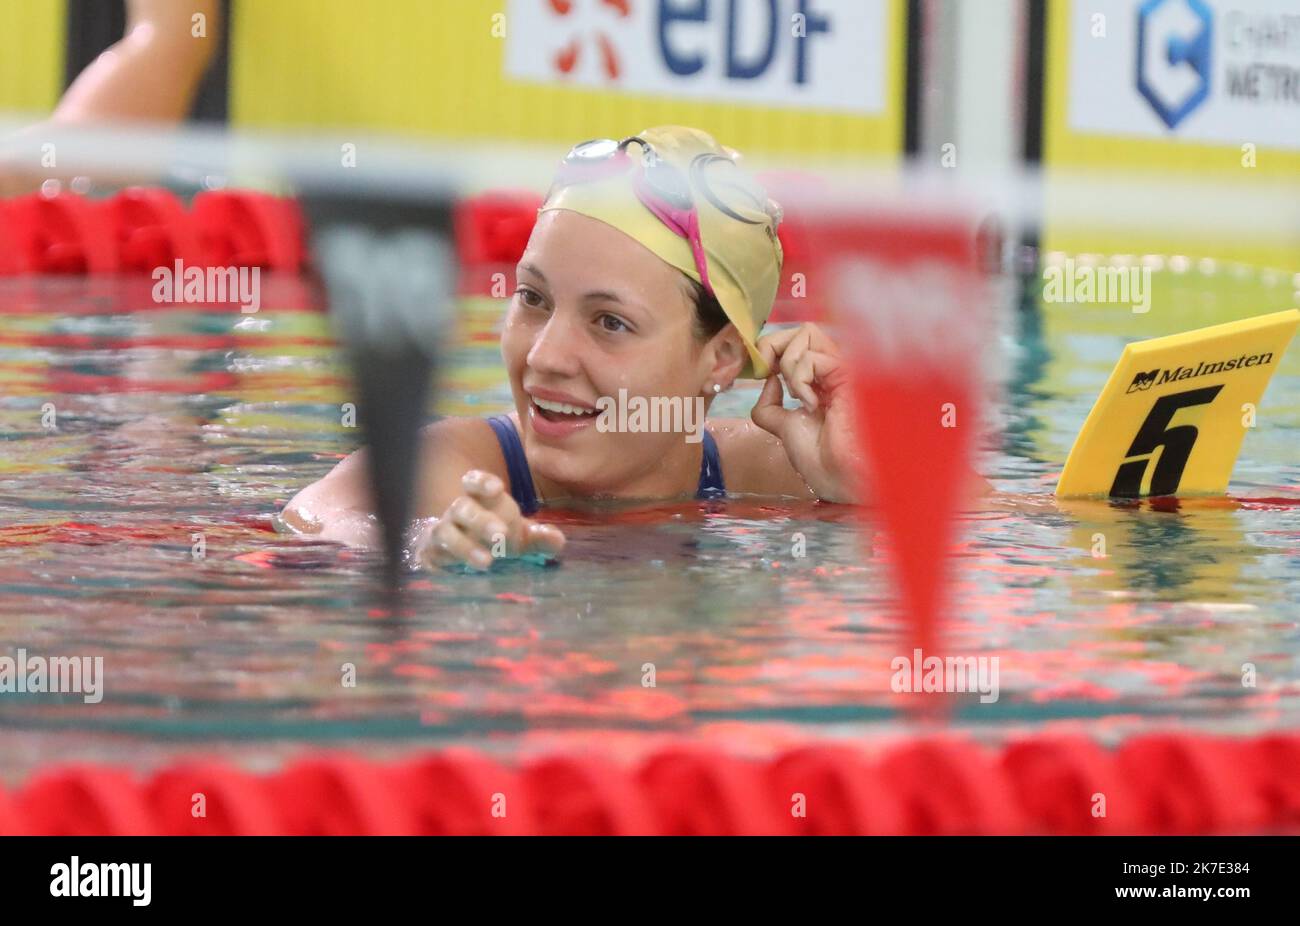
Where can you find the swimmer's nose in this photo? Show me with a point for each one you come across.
(555, 349)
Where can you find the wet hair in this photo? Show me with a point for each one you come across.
(709, 317)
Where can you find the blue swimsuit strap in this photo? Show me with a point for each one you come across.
(521, 477)
(711, 485)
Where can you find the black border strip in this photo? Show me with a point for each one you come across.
(92, 26)
(212, 101)
(1035, 76)
(912, 80)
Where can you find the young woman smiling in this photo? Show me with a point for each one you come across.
(652, 267)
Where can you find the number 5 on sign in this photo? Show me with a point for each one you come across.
(1169, 420)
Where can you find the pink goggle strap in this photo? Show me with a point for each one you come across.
(683, 222)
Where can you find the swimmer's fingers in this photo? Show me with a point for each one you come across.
(788, 351)
(483, 486)
(490, 492)
(815, 373)
(769, 414)
(480, 524)
(819, 341)
(543, 537)
(771, 346)
(800, 386)
(485, 523)
(448, 543)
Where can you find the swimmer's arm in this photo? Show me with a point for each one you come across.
(151, 74)
(340, 506)
(153, 71)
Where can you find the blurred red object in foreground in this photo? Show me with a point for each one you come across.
(906, 297)
(795, 300)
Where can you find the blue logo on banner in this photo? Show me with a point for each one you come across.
(1179, 51)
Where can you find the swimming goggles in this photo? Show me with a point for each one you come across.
(660, 186)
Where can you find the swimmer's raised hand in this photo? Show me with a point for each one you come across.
(483, 522)
(818, 438)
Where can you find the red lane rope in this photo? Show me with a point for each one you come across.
(140, 229)
(1155, 784)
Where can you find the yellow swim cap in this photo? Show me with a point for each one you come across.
(737, 222)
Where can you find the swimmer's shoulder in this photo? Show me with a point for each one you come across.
(753, 460)
(471, 440)
(449, 448)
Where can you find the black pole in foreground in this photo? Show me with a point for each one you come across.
(389, 278)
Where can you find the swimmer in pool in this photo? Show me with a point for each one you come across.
(651, 269)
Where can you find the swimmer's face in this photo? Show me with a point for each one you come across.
(595, 312)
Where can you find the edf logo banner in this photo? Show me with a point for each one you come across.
(1173, 56)
(823, 54)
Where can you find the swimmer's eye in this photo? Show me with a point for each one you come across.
(530, 297)
(613, 323)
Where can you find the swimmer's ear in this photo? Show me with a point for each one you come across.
(726, 356)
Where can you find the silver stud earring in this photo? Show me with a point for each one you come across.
(717, 387)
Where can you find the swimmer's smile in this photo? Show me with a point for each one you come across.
(556, 414)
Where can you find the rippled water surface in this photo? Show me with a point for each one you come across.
(126, 432)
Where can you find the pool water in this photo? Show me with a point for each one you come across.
(173, 429)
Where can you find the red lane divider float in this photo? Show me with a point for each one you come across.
(493, 227)
(1156, 784)
(250, 229)
(11, 259)
(152, 229)
(65, 233)
(492, 231)
(141, 229)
